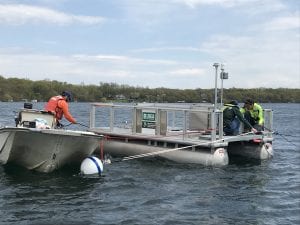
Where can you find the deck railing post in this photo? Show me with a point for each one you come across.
(134, 120)
(163, 121)
(112, 118)
(220, 124)
(268, 117)
(173, 119)
(213, 125)
(271, 120)
(157, 122)
(185, 124)
(92, 116)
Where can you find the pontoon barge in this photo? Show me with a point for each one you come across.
(181, 133)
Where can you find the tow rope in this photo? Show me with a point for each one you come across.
(283, 136)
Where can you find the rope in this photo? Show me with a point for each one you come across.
(283, 136)
(69, 124)
(102, 149)
(287, 140)
(83, 125)
(286, 135)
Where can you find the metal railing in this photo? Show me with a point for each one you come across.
(166, 119)
(161, 120)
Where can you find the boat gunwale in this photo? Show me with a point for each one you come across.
(52, 131)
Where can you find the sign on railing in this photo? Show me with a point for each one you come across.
(148, 120)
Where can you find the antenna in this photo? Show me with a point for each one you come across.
(216, 65)
(223, 76)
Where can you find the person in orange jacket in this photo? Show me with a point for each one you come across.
(58, 105)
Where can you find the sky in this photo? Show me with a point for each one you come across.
(152, 43)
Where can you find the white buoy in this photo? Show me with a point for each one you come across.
(91, 165)
(220, 157)
(266, 151)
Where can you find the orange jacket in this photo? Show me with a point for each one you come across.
(60, 108)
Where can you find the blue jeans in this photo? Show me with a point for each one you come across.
(234, 127)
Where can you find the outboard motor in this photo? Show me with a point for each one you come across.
(17, 119)
(27, 105)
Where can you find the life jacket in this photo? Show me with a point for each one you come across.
(229, 114)
(257, 113)
(52, 106)
(228, 107)
(243, 110)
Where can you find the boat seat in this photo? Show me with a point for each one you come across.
(35, 119)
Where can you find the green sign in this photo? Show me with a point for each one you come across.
(148, 120)
(146, 124)
(148, 116)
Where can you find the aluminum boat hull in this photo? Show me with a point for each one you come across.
(45, 150)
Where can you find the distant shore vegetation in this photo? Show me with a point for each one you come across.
(16, 89)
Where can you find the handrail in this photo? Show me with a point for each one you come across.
(165, 118)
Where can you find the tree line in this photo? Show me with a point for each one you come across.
(16, 89)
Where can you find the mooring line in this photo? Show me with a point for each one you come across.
(287, 140)
(283, 136)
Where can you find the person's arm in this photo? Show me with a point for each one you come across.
(242, 119)
(65, 107)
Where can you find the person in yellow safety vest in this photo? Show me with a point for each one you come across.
(254, 113)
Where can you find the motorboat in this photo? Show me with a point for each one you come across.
(36, 144)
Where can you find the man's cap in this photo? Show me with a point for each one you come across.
(234, 102)
(68, 94)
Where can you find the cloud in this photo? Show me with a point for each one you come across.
(188, 72)
(195, 3)
(257, 5)
(121, 59)
(18, 14)
(283, 23)
(91, 68)
(167, 48)
(150, 15)
(264, 59)
(161, 6)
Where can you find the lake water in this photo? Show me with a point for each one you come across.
(160, 192)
